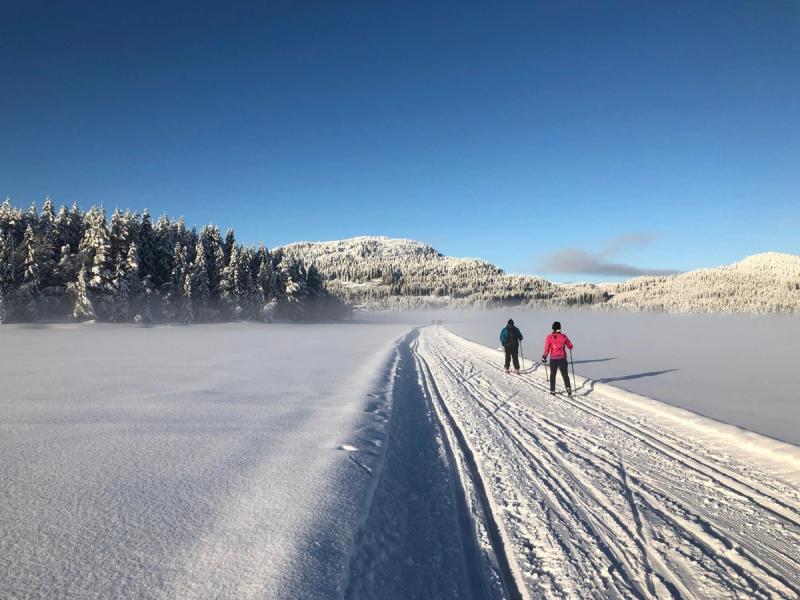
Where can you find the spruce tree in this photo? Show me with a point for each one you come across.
(147, 248)
(187, 314)
(76, 227)
(173, 298)
(165, 241)
(83, 308)
(228, 246)
(119, 236)
(200, 286)
(5, 282)
(227, 286)
(121, 302)
(31, 280)
(135, 286)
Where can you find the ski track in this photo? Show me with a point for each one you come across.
(590, 499)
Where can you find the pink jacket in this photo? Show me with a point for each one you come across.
(554, 345)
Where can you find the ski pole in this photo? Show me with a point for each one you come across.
(572, 362)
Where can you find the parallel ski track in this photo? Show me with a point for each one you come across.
(505, 570)
(643, 540)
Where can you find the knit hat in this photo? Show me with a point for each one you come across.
(556, 326)
(511, 321)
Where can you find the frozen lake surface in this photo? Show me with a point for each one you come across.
(367, 460)
(185, 462)
(737, 369)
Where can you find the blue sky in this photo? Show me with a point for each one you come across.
(613, 137)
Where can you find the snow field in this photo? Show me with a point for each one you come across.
(739, 369)
(191, 462)
(599, 497)
(361, 461)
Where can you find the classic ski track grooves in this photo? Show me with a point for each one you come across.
(506, 570)
(589, 498)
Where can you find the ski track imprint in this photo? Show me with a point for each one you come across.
(595, 500)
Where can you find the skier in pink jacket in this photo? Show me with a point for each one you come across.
(554, 346)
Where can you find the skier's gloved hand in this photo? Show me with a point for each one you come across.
(544, 359)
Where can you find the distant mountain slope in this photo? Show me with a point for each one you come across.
(404, 273)
(382, 272)
(768, 282)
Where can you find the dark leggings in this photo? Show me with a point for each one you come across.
(561, 365)
(512, 352)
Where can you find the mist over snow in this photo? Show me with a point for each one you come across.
(739, 369)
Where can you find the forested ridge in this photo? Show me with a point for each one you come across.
(67, 263)
(380, 272)
(70, 264)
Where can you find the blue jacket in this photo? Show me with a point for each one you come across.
(504, 335)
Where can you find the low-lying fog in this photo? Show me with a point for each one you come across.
(740, 369)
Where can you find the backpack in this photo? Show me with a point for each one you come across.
(511, 336)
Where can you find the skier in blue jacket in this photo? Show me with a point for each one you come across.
(510, 338)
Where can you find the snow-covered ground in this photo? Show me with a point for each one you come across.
(186, 462)
(608, 495)
(740, 369)
(366, 460)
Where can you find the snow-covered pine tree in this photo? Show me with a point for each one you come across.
(227, 246)
(227, 287)
(32, 218)
(147, 249)
(246, 289)
(134, 279)
(292, 277)
(82, 309)
(6, 216)
(95, 250)
(314, 284)
(215, 263)
(28, 293)
(119, 236)
(6, 284)
(187, 314)
(121, 300)
(266, 280)
(47, 220)
(60, 223)
(76, 227)
(165, 246)
(200, 286)
(173, 290)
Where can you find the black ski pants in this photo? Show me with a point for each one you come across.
(512, 351)
(561, 365)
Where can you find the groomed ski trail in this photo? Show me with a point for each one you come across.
(589, 497)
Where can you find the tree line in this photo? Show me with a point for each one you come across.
(80, 265)
(385, 273)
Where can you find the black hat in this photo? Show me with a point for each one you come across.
(556, 326)
(511, 321)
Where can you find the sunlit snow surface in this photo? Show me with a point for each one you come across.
(739, 369)
(319, 461)
(173, 462)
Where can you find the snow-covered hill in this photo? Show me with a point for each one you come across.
(768, 282)
(398, 273)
